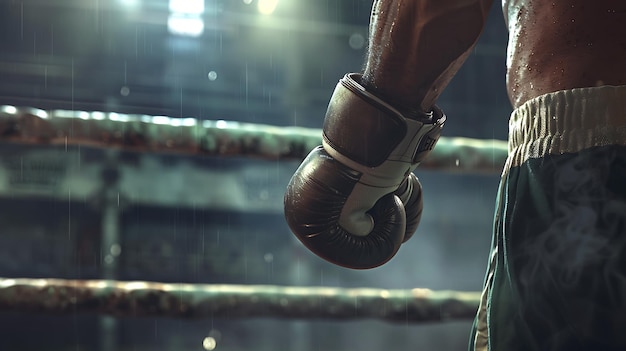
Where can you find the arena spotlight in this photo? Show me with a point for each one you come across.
(185, 25)
(191, 7)
(186, 17)
(267, 7)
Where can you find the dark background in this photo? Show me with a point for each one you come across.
(278, 69)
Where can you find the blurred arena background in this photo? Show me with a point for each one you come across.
(77, 212)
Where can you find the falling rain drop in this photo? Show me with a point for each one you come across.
(72, 90)
(108, 259)
(22, 21)
(116, 250)
(51, 40)
(246, 84)
(356, 41)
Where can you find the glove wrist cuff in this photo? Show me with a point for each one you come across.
(371, 136)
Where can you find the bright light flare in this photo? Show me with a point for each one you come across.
(267, 7)
(192, 7)
(9, 109)
(188, 26)
(209, 343)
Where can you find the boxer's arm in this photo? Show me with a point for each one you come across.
(353, 200)
(417, 46)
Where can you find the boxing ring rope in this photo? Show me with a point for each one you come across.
(161, 134)
(140, 299)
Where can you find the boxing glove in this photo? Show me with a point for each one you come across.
(346, 202)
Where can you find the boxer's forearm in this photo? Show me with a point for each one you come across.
(416, 47)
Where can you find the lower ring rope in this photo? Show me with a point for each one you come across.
(134, 299)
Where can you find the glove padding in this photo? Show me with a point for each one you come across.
(410, 193)
(346, 202)
(314, 200)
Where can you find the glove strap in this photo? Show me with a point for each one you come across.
(372, 137)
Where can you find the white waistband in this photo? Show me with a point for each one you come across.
(567, 121)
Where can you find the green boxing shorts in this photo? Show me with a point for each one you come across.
(556, 278)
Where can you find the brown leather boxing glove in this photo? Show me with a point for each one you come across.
(346, 202)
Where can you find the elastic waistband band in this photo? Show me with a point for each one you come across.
(567, 121)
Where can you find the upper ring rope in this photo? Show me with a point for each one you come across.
(162, 134)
